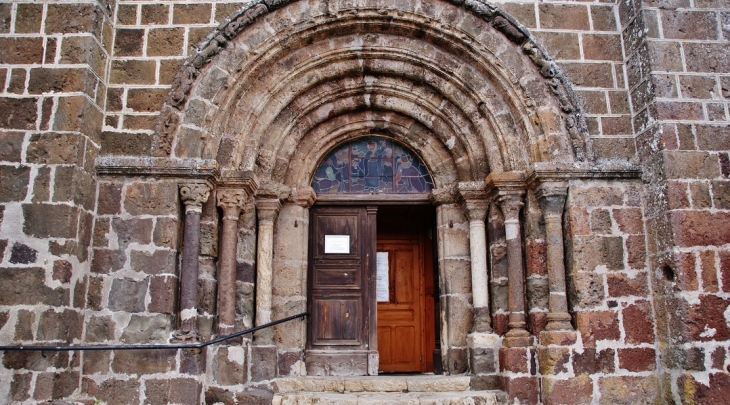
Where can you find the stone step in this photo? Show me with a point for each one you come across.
(398, 398)
(412, 383)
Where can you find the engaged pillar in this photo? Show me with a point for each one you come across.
(266, 209)
(231, 202)
(551, 196)
(193, 196)
(476, 206)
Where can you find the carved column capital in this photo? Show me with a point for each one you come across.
(510, 204)
(232, 202)
(194, 195)
(304, 197)
(474, 195)
(267, 209)
(552, 196)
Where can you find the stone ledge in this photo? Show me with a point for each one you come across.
(435, 398)
(421, 383)
(156, 167)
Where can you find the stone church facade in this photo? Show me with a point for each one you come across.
(156, 187)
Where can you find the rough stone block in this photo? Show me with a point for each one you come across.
(515, 359)
(34, 361)
(625, 389)
(165, 41)
(62, 271)
(591, 361)
(597, 325)
(700, 228)
(193, 362)
(159, 198)
(637, 359)
(27, 286)
(107, 261)
(522, 390)
(553, 360)
(147, 329)
(100, 329)
(65, 325)
(132, 231)
(229, 365)
(79, 114)
(112, 391)
(21, 50)
(133, 72)
(55, 148)
(20, 387)
(588, 290)
(24, 325)
(163, 291)
(176, 390)
(22, 254)
(128, 295)
(128, 42)
(122, 143)
(142, 362)
(71, 18)
(165, 233)
(682, 24)
(157, 262)
(191, 13)
(20, 113)
(50, 221)
(623, 285)
(573, 391)
(74, 185)
(559, 16)
(96, 362)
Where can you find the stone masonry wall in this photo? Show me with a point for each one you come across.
(53, 60)
(678, 61)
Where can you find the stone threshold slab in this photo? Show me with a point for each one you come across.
(410, 398)
(418, 383)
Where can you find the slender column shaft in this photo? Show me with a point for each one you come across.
(267, 210)
(231, 202)
(477, 212)
(193, 197)
(552, 202)
(511, 205)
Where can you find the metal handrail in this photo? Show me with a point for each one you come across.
(153, 347)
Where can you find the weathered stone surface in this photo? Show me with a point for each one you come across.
(122, 143)
(577, 390)
(50, 220)
(229, 365)
(34, 361)
(62, 271)
(113, 392)
(635, 390)
(142, 362)
(110, 199)
(20, 386)
(637, 359)
(588, 291)
(128, 295)
(11, 144)
(191, 13)
(22, 50)
(22, 254)
(96, 362)
(27, 286)
(597, 325)
(55, 148)
(24, 325)
(100, 329)
(163, 291)
(159, 198)
(165, 233)
(157, 262)
(65, 325)
(133, 72)
(132, 231)
(51, 386)
(177, 390)
(591, 361)
(147, 329)
(71, 18)
(165, 42)
(74, 185)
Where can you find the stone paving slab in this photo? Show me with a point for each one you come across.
(423, 383)
(377, 398)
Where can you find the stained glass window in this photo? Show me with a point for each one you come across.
(371, 165)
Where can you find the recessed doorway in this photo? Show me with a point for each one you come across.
(406, 289)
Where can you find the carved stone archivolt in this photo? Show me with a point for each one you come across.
(194, 72)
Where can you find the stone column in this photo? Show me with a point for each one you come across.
(476, 206)
(231, 202)
(193, 195)
(509, 190)
(551, 196)
(266, 210)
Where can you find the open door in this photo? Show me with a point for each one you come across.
(341, 329)
(405, 290)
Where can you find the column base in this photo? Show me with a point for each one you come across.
(518, 338)
(558, 337)
(558, 321)
(484, 352)
(180, 336)
(482, 323)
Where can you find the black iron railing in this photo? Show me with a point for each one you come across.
(153, 347)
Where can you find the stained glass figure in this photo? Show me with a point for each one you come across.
(371, 165)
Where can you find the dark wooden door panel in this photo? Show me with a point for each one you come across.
(340, 321)
(339, 341)
(400, 327)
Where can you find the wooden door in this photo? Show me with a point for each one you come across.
(401, 329)
(341, 271)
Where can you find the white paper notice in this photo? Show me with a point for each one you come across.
(381, 290)
(337, 244)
